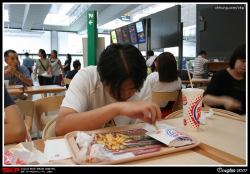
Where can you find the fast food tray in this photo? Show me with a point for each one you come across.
(74, 148)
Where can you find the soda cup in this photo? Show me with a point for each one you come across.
(192, 104)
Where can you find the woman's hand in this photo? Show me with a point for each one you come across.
(232, 104)
(143, 110)
(34, 76)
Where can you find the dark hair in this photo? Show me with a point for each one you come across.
(202, 52)
(42, 51)
(26, 54)
(152, 67)
(239, 53)
(167, 67)
(150, 53)
(54, 51)
(6, 53)
(76, 63)
(69, 56)
(119, 62)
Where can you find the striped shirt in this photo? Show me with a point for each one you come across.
(199, 65)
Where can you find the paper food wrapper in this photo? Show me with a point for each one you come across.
(170, 137)
(205, 115)
(24, 154)
(91, 153)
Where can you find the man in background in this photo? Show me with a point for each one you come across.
(199, 63)
(150, 59)
(16, 74)
(71, 74)
(28, 62)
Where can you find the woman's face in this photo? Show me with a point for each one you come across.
(240, 66)
(127, 90)
(40, 54)
(52, 54)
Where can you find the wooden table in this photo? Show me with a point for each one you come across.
(196, 81)
(223, 142)
(44, 89)
(14, 91)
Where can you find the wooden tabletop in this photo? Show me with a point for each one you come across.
(223, 142)
(44, 89)
(195, 81)
(14, 91)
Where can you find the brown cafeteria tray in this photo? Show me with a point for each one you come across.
(74, 148)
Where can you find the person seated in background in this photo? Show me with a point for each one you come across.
(16, 74)
(150, 59)
(150, 62)
(14, 126)
(113, 93)
(227, 88)
(199, 63)
(166, 78)
(71, 74)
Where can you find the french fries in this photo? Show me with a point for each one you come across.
(110, 141)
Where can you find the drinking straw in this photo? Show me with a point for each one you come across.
(189, 76)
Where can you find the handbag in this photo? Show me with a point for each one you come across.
(45, 74)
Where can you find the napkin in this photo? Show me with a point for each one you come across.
(205, 115)
(45, 74)
(57, 149)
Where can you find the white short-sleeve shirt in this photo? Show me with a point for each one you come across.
(158, 86)
(86, 92)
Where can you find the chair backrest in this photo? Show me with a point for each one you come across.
(49, 129)
(166, 97)
(66, 80)
(27, 109)
(43, 105)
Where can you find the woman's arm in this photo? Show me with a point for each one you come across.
(35, 72)
(49, 69)
(228, 102)
(14, 126)
(69, 120)
(60, 64)
(65, 65)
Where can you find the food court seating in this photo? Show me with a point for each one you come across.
(171, 97)
(41, 106)
(27, 109)
(49, 129)
(67, 80)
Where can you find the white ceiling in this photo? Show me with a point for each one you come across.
(29, 17)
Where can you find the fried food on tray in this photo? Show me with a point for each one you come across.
(110, 141)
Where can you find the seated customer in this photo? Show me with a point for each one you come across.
(71, 74)
(16, 74)
(199, 63)
(166, 78)
(227, 88)
(14, 126)
(113, 93)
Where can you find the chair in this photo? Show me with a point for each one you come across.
(27, 109)
(66, 80)
(49, 129)
(42, 106)
(171, 97)
(28, 137)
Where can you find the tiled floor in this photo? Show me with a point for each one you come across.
(35, 97)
